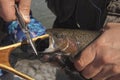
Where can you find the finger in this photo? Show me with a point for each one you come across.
(86, 57)
(112, 25)
(17, 0)
(116, 77)
(110, 56)
(92, 69)
(107, 71)
(7, 10)
(24, 7)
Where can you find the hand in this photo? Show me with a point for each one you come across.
(7, 10)
(101, 59)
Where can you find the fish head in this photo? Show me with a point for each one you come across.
(60, 42)
(56, 46)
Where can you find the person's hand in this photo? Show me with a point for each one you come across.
(101, 59)
(7, 9)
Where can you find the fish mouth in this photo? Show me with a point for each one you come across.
(52, 47)
(51, 51)
(46, 45)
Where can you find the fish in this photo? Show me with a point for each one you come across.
(69, 41)
(64, 45)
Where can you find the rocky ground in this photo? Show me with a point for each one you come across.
(31, 65)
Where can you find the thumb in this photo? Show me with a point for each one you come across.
(24, 7)
(7, 11)
(86, 57)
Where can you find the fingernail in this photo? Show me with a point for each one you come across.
(25, 15)
(26, 18)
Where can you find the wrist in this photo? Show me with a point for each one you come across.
(111, 25)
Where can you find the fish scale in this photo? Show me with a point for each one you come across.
(82, 37)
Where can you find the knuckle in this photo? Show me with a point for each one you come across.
(96, 78)
(102, 54)
(24, 8)
(106, 58)
(87, 75)
(115, 69)
(8, 19)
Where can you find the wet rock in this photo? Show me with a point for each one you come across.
(33, 67)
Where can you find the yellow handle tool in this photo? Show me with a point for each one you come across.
(5, 53)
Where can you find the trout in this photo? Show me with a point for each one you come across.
(70, 41)
(64, 45)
